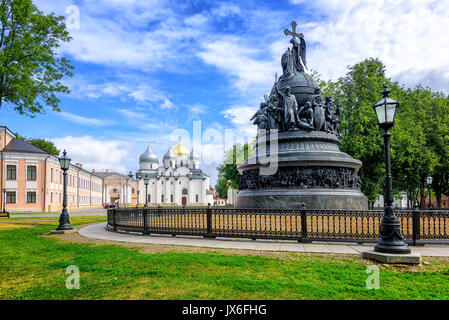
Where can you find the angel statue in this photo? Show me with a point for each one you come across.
(299, 49)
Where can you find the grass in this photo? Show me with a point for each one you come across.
(33, 267)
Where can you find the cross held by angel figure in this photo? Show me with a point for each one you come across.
(299, 49)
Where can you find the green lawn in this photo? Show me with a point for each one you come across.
(33, 267)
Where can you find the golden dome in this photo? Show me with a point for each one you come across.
(179, 149)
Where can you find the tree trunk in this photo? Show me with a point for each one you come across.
(422, 197)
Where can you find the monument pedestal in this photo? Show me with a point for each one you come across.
(309, 168)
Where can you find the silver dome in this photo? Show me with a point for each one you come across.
(169, 155)
(148, 156)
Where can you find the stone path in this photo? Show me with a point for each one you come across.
(98, 231)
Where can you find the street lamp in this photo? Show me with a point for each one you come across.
(4, 200)
(130, 176)
(429, 185)
(390, 229)
(146, 181)
(64, 222)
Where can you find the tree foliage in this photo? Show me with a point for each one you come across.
(228, 175)
(30, 68)
(419, 142)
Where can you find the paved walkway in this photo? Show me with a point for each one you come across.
(76, 213)
(98, 231)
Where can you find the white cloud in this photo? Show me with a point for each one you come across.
(239, 116)
(95, 153)
(123, 88)
(242, 63)
(84, 120)
(409, 36)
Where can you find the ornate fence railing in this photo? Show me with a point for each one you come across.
(417, 226)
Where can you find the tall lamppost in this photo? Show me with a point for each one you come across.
(4, 200)
(146, 181)
(130, 176)
(390, 230)
(429, 186)
(64, 222)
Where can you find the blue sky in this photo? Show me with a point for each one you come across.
(145, 71)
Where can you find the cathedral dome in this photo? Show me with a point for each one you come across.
(169, 155)
(179, 149)
(148, 156)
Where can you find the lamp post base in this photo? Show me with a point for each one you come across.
(57, 231)
(394, 249)
(64, 222)
(392, 240)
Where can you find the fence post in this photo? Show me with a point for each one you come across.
(416, 224)
(304, 223)
(145, 221)
(114, 222)
(209, 222)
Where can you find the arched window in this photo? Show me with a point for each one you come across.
(184, 191)
(171, 198)
(162, 198)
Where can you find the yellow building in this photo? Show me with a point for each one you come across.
(33, 179)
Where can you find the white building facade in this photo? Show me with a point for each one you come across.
(178, 181)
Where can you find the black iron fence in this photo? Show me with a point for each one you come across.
(418, 226)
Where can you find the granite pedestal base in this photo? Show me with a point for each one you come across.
(408, 258)
(294, 198)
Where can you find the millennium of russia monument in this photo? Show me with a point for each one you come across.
(297, 136)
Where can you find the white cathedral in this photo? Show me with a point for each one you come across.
(179, 181)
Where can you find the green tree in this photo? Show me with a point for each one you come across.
(419, 142)
(30, 68)
(228, 175)
(42, 144)
(355, 94)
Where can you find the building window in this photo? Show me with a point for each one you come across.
(179, 182)
(10, 197)
(171, 198)
(114, 191)
(197, 198)
(31, 197)
(132, 190)
(31, 172)
(184, 191)
(51, 175)
(11, 173)
(172, 182)
(162, 198)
